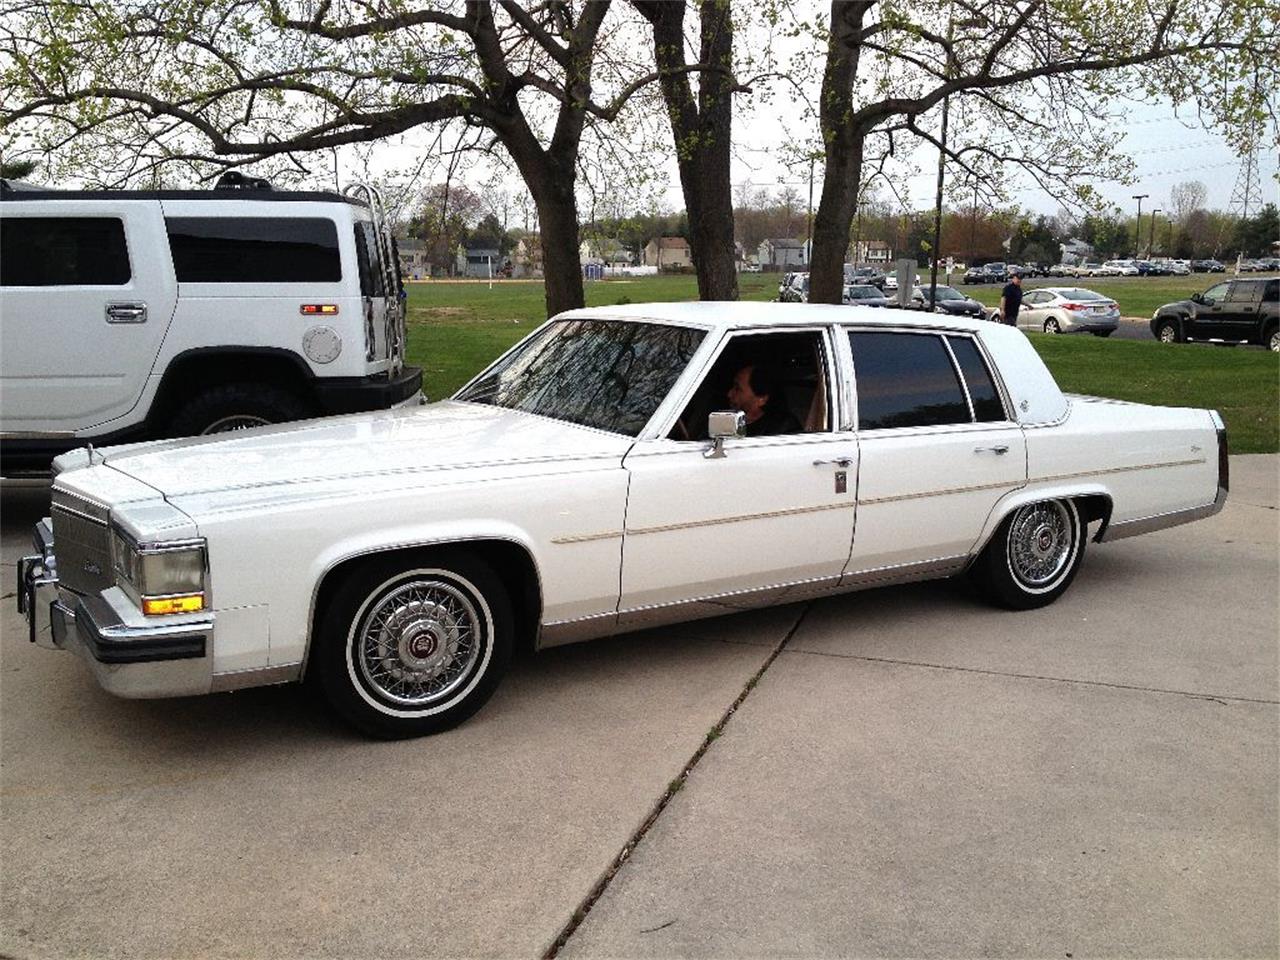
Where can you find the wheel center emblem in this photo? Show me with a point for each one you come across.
(1045, 540)
(423, 645)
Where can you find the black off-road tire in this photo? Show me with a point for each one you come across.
(236, 406)
(394, 628)
(1033, 556)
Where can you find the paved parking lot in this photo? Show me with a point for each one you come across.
(912, 774)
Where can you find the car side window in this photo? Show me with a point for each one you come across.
(63, 252)
(1216, 293)
(1272, 292)
(987, 406)
(779, 380)
(906, 380)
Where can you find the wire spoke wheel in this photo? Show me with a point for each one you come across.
(1041, 544)
(418, 642)
(241, 421)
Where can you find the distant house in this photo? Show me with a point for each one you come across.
(413, 258)
(610, 254)
(479, 261)
(870, 251)
(526, 259)
(667, 253)
(781, 253)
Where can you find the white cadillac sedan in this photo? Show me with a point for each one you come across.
(1069, 310)
(619, 468)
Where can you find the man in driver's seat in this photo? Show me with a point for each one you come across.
(757, 392)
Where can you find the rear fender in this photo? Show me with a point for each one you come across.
(1096, 505)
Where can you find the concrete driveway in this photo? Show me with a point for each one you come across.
(907, 773)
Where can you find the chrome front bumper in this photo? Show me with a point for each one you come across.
(155, 660)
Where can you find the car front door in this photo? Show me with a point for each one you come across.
(1031, 316)
(937, 447)
(1209, 314)
(771, 519)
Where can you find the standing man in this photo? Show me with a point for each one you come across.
(1011, 300)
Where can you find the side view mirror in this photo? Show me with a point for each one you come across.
(721, 426)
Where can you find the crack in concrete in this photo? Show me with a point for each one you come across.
(1221, 698)
(673, 788)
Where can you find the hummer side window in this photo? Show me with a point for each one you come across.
(254, 249)
(63, 252)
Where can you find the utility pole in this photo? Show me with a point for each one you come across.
(809, 230)
(1151, 242)
(1137, 233)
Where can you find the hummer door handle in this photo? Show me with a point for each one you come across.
(126, 312)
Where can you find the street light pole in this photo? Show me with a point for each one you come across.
(1151, 243)
(1137, 233)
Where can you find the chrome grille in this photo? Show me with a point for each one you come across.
(82, 544)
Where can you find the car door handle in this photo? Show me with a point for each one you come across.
(126, 313)
(842, 462)
(999, 448)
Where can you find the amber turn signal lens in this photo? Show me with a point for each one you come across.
(192, 603)
(319, 309)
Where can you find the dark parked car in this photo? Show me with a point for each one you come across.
(863, 295)
(1207, 266)
(1233, 311)
(950, 300)
(868, 276)
(990, 273)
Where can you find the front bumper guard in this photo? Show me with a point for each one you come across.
(151, 660)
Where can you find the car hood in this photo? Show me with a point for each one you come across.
(442, 436)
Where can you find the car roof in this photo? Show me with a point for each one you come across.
(739, 314)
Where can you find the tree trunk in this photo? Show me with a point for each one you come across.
(561, 261)
(844, 154)
(702, 134)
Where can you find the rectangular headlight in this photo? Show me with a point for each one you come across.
(163, 577)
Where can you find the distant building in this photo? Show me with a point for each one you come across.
(414, 264)
(870, 251)
(479, 262)
(1076, 251)
(609, 254)
(667, 253)
(526, 259)
(781, 253)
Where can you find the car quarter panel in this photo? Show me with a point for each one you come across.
(1150, 461)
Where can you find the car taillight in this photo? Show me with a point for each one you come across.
(1073, 306)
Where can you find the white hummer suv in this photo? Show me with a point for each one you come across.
(130, 315)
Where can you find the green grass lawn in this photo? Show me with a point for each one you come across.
(457, 328)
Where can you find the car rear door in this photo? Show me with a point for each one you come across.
(89, 293)
(938, 448)
(1241, 311)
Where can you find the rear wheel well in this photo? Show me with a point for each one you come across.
(1096, 506)
(191, 374)
(510, 561)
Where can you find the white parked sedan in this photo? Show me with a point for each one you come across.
(1068, 310)
(594, 480)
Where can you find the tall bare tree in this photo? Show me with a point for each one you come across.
(1028, 77)
(702, 129)
(127, 89)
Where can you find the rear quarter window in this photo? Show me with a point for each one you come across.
(63, 252)
(254, 249)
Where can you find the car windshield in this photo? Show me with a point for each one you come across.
(864, 293)
(950, 293)
(1079, 294)
(606, 374)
